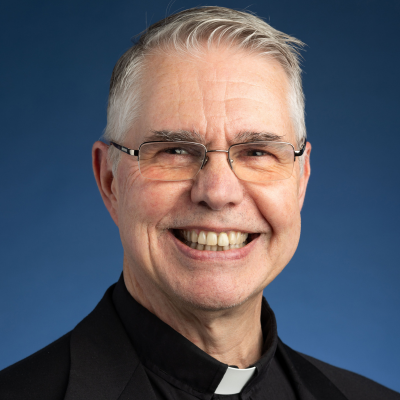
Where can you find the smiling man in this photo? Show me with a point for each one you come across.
(204, 172)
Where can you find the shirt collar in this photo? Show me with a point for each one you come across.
(173, 357)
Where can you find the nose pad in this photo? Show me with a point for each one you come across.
(204, 162)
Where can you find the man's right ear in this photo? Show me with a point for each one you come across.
(105, 178)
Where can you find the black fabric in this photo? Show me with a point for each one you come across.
(97, 361)
(138, 387)
(353, 386)
(178, 366)
(41, 376)
(102, 358)
(315, 381)
(176, 360)
(165, 351)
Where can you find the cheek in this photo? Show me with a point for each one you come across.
(144, 204)
(279, 207)
(278, 204)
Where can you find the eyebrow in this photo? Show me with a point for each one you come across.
(193, 136)
(245, 137)
(175, 136)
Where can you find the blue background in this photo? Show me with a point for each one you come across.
(339, 297)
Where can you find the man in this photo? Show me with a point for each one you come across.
(205, 174)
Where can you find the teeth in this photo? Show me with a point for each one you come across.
(202, 238)
(238, 238)
(232, 237)
(213, 241)
(193, 236)
(223, 239)
(212, 238)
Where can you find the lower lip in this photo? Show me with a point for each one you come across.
(206, 255)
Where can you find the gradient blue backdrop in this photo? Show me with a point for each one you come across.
(339, 297)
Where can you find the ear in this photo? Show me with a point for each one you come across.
(105, 178)
(305, 176)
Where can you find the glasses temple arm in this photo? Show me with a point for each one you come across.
(125, 149)
(298, 153)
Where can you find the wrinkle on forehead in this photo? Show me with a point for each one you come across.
(214, 94)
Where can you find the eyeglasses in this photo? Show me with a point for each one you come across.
(180, 161)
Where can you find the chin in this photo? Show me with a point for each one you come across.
(212, 297)
(212, 303)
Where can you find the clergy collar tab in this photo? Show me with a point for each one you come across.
(234, 380)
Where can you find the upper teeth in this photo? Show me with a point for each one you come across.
(221, 241)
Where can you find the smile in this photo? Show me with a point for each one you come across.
(212, 241)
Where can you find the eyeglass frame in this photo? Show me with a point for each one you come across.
(135, 153)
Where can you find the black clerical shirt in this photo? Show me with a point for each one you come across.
(179, 370)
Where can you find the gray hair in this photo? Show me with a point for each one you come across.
(191, 32)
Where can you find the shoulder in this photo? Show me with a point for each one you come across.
(352, 385)
(43, 375)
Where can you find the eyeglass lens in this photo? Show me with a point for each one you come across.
(256, 162)
(170, 161)
(261, 162)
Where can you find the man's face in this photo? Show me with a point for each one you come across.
(219, 96)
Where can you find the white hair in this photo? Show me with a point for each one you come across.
(191, 32)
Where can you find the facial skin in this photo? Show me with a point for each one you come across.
(219, 96)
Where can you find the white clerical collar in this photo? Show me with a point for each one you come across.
(234, 380)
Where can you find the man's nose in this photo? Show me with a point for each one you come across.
(216, 185)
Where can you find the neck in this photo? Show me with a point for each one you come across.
(231, 336)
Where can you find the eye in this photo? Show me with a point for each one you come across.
(251, 152)
(176, 151)
(256, 153)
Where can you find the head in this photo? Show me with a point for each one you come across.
(217, 75)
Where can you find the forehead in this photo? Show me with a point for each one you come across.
(219, 95)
